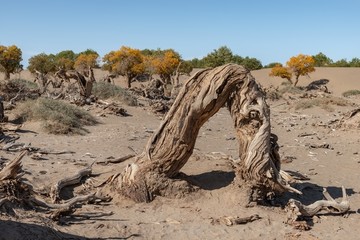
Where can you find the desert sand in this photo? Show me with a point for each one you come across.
(196, 215)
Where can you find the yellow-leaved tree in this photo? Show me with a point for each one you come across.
(86, 60)
(300, 65)
(126, 61)
(165, 64)
(10, 58)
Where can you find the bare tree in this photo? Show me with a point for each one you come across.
(172, 144)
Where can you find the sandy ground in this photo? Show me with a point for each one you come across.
(194, 216)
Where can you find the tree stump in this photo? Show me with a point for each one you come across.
(170, 147)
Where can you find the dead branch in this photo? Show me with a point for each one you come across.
(6, 126)
(230, 221)
(13, 168)
(67, 181)
(66, 205)
(296, 209)
(116, 160)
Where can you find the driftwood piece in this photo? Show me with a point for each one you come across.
(66, 205)
(13, 168)
(67, 181)
(172, 144)
(230, 221)
(296, 209)
(6, 126)
(116, 160)
(350, 120)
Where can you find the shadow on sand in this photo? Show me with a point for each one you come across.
(11, 230)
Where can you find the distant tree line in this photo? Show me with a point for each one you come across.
(135, 63)
(321, 60)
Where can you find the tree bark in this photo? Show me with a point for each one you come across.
(6, 75)
(172, 144)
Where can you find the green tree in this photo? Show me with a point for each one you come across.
(341, 63)
(355, 62)
(251, 63)
(65, 59)
(197, 63)
(43, 63)
(271, 65)
(218, 57)
(185, 67)
(321, 60)
(10, 60)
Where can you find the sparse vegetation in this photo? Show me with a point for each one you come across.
(351, 93)
(20, 88)
(57, 117)
(277, 93)
(325, 103)
(106, 90)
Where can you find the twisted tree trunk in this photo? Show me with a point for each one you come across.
(172, 144)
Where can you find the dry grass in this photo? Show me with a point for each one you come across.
(325, 103)
(276, 94)
(351, 93)
(105, 90)
(21, 88)
(57, 117)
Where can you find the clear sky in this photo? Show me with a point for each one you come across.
(269, 30)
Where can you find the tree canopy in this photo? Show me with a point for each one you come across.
(86, 59)
(300, 65)
(10, 60)
(126, 62)
(165, 64)
(43, 63)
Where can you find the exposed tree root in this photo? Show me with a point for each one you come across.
(67, 181)
(14, 192)
(296, 209)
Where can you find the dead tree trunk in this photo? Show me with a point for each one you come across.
(259, 160)
(85, 83)
(42, 81)
(172, 144)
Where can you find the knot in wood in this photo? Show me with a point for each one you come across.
(253, 114)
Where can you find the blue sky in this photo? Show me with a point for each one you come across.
(271, 31)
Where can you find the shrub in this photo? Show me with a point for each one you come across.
(276, 94)
(105, 90)
(57, 117)
(325, 103)
(351, 93)
(18, 87)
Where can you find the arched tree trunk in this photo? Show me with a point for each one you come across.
(259, 161)
(172, 144)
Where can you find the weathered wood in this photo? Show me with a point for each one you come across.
(295, 208)
(200, 98)
(13, 168)
(230, 221)
(116, 160)
(67, 181)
